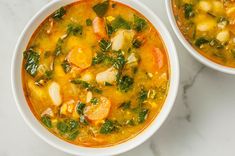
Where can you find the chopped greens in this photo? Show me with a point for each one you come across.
(200, 41)
(120, 23)
(88, 22)
(44, 78)
(125, 83)
(46, 121)
(58, 49)
(80, 108)
(31, 62)
(86, 85)
(94, 101)
(109, 29)
(142, 96)
(119, 62)
(73, 135)
(188, 11)
(66, 66)
(108, 127)
(125, 105)
(139, 23)
(105, 45)
(137, 43)
(62, 127)
(101, 8)
(143, 114)
(107, 84)
(74, 29)
(58, 14)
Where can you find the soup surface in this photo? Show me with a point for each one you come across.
(209, 26)
(95, 73)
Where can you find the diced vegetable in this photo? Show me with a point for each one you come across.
(80, 108)
(99, 28)
(101, 8)
(200, 41)
(88, 96)
(94, 101)
(205, 5)
(99, 111)
(125, 105)
(142, 96)
(223, 36)
(105, 45)
(48, 112)
(88, 22)
(31, 62)
(54, 92)
(77, 53)
(123, 39)
(188, 11)
(120, 23)
(58, 49)
(159, 58)
(86, 85)
(119, 62)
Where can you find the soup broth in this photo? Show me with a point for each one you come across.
(95, 73)
(208, 25)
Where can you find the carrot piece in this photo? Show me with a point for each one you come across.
(99, 111)
(80, 57)
(99, 28)
(159, 58)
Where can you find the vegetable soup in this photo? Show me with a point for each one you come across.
(208, 25)
(95, 73)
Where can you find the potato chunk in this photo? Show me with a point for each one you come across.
(223, 36)
(122, 39)
(205, 5)
(54, 92)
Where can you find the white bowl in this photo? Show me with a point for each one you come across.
(189, 47)
(63, 145)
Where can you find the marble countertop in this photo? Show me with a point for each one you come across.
(202, 122)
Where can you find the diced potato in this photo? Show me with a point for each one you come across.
(223, 36)
(122, 39)
(205, 5)
(99, 111)
(54, 92)
(48, 112)
(206, 25)
(63, 109)
(88, 97)
(99, 28)
(108, 75)
(80, 57)
(67, 107)
(218, 7)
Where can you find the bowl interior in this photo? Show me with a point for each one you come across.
(189, 47)
(70, 148)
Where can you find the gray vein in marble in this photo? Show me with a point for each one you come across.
(186, 87)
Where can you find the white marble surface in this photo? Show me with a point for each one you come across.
(202, 122)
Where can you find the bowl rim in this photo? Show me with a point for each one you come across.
(53, 140)
(188, 46)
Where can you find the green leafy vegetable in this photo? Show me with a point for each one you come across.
(88, 22)
(74, 29)
(142, 95)
(66, 66)
(125, 105)
(62, 127)
(137, 43)
(67, 126)
(125, 83)
(94, 101)
(107, 84)
(80, 108)
(120, 23)
(58, 14)
(139, 23)
(119, 62)
(73, 135)
(72, 124)
(216, 44)
(109, 29)
(31, 62)
(58, 49)
(86, 85)
(101, 8)
(143, 115)
(44, 78)
(105, 45)
(107, 127)
(83, 120)
(200, 41)
(46, 121)
(188, 11)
